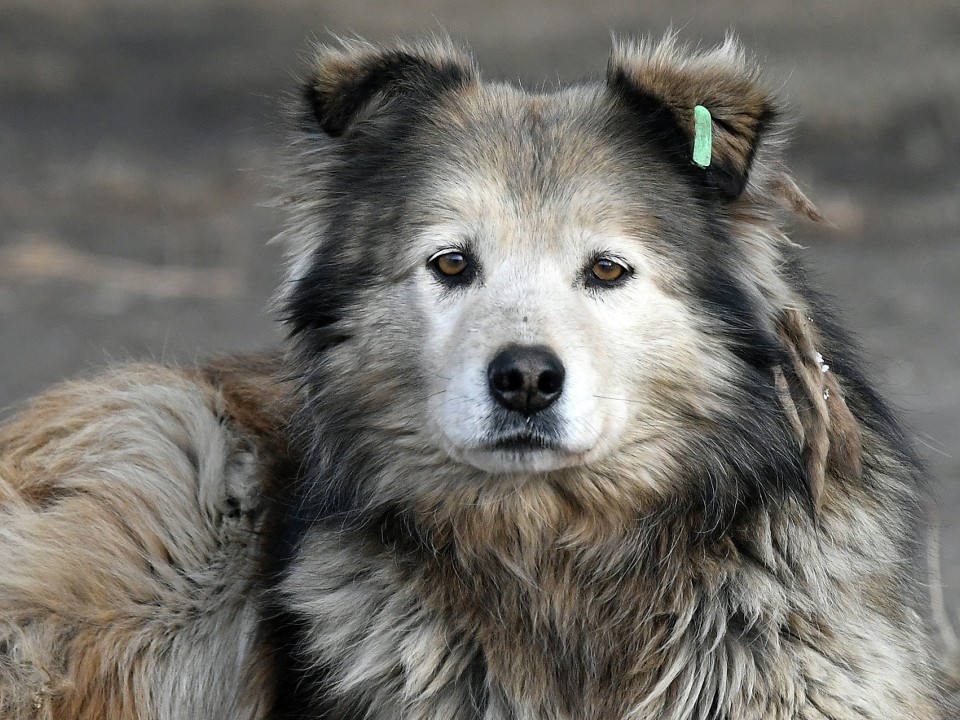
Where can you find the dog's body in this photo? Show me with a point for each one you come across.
(553, 438)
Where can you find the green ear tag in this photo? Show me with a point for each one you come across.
(702, 136)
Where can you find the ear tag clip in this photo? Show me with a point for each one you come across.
(702, 136)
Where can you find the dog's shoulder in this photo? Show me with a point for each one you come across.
(186, 425)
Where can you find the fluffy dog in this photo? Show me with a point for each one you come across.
(560, 432)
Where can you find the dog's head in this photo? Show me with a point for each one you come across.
(524, 283)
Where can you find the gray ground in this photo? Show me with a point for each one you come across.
(138, 140)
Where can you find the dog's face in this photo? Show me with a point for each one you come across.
(525, 283)
(547, 313)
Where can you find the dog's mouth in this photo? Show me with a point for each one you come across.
(521, 443)
(513, 452)
(512, 444)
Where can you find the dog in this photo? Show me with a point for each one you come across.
(560, 431)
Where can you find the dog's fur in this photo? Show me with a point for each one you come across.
(708, 522)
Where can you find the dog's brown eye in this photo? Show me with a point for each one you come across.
(607, 270)
(453, 267)
(451, 263)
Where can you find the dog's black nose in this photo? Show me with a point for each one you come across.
(526, 378)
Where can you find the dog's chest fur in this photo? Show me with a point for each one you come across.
(531, 628)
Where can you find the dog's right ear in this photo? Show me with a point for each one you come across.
(355, 80)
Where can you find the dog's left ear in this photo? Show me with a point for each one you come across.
(662, 83)
(828, 433)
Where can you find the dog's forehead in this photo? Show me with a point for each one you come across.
(528, 144)
(504, 155)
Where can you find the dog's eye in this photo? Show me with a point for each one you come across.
(452, 265)
(606, 271)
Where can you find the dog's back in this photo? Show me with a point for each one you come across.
(131, 513)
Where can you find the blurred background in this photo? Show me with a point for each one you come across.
(140, 141)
